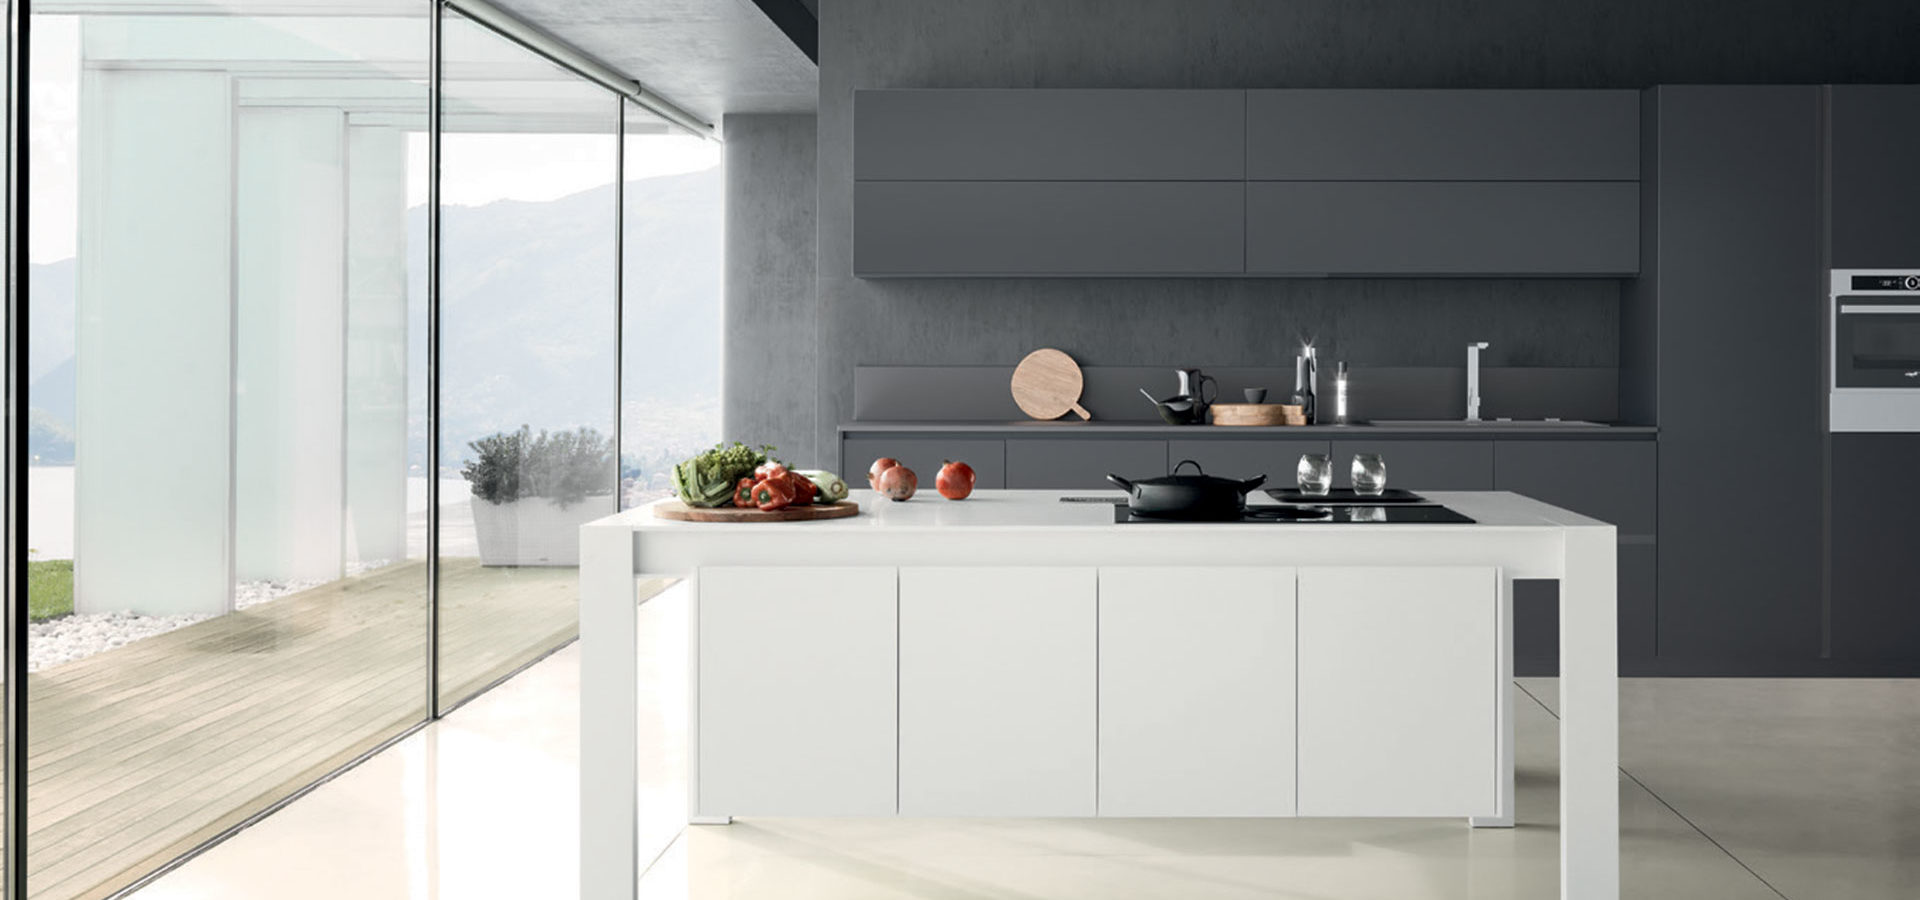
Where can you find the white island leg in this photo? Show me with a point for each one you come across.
(609, 701)
(1589, 717)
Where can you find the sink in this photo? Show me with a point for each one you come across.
(1485, 423)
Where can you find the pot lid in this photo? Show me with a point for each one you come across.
(1197, 478)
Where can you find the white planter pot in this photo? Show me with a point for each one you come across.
(534, 531)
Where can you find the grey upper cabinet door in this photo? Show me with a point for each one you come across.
(1054, 464)
(1876, 176)
(1422, 465)
(1443, 228)
(1049, 135)
(1443, 135)
(1613, 481)
(920, 228)
(1278, 460)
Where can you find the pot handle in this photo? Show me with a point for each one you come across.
(1252, 484)
(1187, 462)
(1206, 381)
(1123, 484)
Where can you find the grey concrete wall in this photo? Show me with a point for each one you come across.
(1244, 43)
(771, 343)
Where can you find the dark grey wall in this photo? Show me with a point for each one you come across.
(769, 369)
(1244, 43)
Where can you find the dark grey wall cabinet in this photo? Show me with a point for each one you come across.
(1079, 464)
(1278, 460)
(1740, 387)
(934, 228)
(1422, 465)
(924, 457)
(1443, 228)
(1876, 176)
(1435, 135)
(1049, 135)
(1876, 533)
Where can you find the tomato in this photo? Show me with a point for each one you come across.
(897, 482)
(955, 480)
(772, 494)
(879, 465)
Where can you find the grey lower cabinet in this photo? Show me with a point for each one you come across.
(1040, 228)
(1068, 464)
(1613, 481)
(925, 456)
(1443, 135)
(1422, 465)
(1876, 529)
(1443, 228)
(1276, 459)
(1061, 135)
(1875, 139)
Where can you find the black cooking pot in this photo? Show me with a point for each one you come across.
(1196, 497)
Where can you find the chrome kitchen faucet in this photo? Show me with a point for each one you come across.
(1473, 380)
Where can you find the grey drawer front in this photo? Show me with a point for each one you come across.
(1063, 135)
(1613, 481)
(1048, 228)
(1422, 465)
(924, 456)
(1443, 135)
(1443, 228)
(1081, 464)
(1278, 460)
(1536, 614)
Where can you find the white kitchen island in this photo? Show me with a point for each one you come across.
(1014, 655)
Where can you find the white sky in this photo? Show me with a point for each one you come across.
(477, 168)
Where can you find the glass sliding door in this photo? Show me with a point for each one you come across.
(225, 524)
(527, 367)
(670, 299)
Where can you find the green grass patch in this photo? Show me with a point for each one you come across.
(49, 589)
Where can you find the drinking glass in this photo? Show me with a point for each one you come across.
(1315, 474)
(1369, 474)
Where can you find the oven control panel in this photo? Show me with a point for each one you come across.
(1886, 283)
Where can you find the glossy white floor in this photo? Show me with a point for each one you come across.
(1732, 789)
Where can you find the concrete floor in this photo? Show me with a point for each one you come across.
(1737, 789)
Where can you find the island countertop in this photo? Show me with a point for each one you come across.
(1020, 510)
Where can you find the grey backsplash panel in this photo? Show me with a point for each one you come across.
(1112, 393)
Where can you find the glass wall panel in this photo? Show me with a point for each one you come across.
(670, 297)
(226, 533)
(527, 365)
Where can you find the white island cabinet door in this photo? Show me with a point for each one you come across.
(997, 689)
(796, 691)
(1399, 684)
(1196, 691)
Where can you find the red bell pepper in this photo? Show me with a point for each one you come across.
(805, 492)
(743, 493)
(772, 493)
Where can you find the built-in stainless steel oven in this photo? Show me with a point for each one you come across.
(1876, 350)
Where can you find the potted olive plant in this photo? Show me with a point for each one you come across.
(531, 494)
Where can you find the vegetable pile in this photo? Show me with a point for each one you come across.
(708, 480)
(751, 479)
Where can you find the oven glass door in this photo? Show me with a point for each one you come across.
(1877, 342)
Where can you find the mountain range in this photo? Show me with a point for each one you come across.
(527, 321)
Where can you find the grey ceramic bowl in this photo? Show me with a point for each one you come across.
(1255, 395)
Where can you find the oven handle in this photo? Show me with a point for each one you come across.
(1906, 309)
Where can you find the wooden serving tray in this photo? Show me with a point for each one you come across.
(680, 512)
(1257, 414)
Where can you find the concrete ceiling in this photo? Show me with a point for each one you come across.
(709, 56)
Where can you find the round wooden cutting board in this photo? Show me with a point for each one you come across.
(1047, 385)
(680, 512)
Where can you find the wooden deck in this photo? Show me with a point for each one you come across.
(142, 752)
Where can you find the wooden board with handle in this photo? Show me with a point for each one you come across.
(1257, 414)
(1047, 385)
(680, 512)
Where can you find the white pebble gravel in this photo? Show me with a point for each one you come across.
(74, 637)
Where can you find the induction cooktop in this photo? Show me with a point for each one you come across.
(1342, 514)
